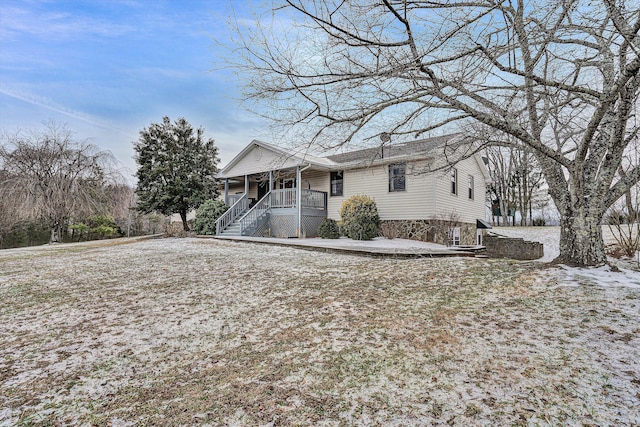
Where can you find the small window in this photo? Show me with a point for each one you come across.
(454, 236)
(470, 187)
(337, 182)
(454, 181)
(397, 177)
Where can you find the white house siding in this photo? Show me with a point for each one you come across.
(259, 160)
(416, 202)
(239, 189)
(316, 180)
(468, 210)
(426, 195)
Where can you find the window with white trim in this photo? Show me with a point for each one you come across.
(337, 182)
(471, 187)
(454, 181)
(397, 177)
(454, 236)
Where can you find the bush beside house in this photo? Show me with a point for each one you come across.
(329, 229)
(360, 219)
(206, 216)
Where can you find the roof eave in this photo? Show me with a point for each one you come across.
(297, 160)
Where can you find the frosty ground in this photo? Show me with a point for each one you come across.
(207, 332)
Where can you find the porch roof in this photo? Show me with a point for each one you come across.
(260, 157)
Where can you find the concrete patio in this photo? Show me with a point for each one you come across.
(380, 246)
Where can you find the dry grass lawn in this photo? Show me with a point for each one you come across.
(206, 332)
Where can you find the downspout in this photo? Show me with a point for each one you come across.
(299, 196)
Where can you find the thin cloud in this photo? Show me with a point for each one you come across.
(50, 105)
(58, 25)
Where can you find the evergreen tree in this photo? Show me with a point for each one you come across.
(177, 168)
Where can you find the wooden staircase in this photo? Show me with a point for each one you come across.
(234, 228)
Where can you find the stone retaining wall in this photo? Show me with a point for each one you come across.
(426, 230)
(512, 247)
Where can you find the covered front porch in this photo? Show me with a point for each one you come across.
(273, 192)
(277, 203)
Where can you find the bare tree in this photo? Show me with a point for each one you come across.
(559, 77)
(625, 229)
(526, 180)
(7, 217)
(502, 168)
(623, 217)
(48, 176)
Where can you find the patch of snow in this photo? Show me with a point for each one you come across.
(572, 276)
(603, 276)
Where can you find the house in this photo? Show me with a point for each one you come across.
(274, 192)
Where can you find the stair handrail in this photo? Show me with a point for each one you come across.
(232, 214)
(255, 213)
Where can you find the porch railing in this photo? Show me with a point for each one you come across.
(241, 205)
(233, 198)
(314, 199)
(285, 198)
(252, 218)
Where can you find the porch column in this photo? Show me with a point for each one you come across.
(246, 185)
(226, 191)
(299, 200)
(270, 180)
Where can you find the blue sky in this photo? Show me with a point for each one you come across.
(109, 68)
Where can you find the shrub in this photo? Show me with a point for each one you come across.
(80, 230)
(105, 231)
(24, 233)
(95, 227)
(103, 226)
(328, 229)
(625, 229)
(391, 229)
(206, 216)
(360, 220)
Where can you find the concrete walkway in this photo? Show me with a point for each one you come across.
(399, 248)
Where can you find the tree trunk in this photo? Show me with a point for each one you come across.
(581, 242)
(56, 235)
(185, 224)
(631, 209)
(582, 207)
(504, 212)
